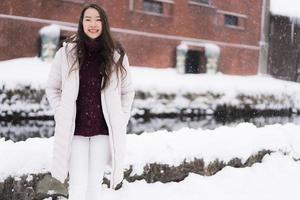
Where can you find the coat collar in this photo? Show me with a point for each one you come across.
(70, 47)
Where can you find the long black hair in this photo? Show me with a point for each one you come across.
(108, 46)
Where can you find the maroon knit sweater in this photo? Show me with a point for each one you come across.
(89, 116)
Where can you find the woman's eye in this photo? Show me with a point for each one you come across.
(87, 20)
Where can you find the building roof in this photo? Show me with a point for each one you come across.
(288, 8)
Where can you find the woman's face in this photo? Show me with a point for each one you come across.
(92, 25)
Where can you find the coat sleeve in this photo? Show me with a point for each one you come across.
(127, 89)
(54, 81)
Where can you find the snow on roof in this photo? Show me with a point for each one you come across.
(52, 30)
(288, 8)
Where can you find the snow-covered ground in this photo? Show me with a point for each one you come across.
(24, 71)
(277, 177)
(34, 72)
(157, 90)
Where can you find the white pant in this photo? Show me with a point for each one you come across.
(89, 156)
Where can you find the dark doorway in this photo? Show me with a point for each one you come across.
(195, 62)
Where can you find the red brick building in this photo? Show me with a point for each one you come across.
(150, 30)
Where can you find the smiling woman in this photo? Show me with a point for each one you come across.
(92, 24)
(90, 89)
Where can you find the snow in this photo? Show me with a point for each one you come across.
(186, 91)
(33, 71)
(182, 47)
(33, 155)
(289, 8)
(277, 177)
(263, 92)
(24, 71)
(278, 172)
(160, 79)
(51, 30)
(244, 139)
(212, 50)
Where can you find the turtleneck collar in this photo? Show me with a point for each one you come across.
(92, 45)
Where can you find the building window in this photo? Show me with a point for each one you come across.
(231, 20)
(153, 6)
(160, 8)
(75, 1)
(201, 1)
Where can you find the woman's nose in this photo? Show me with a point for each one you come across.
(94, 23)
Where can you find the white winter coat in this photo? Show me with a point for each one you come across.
(62, 91)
